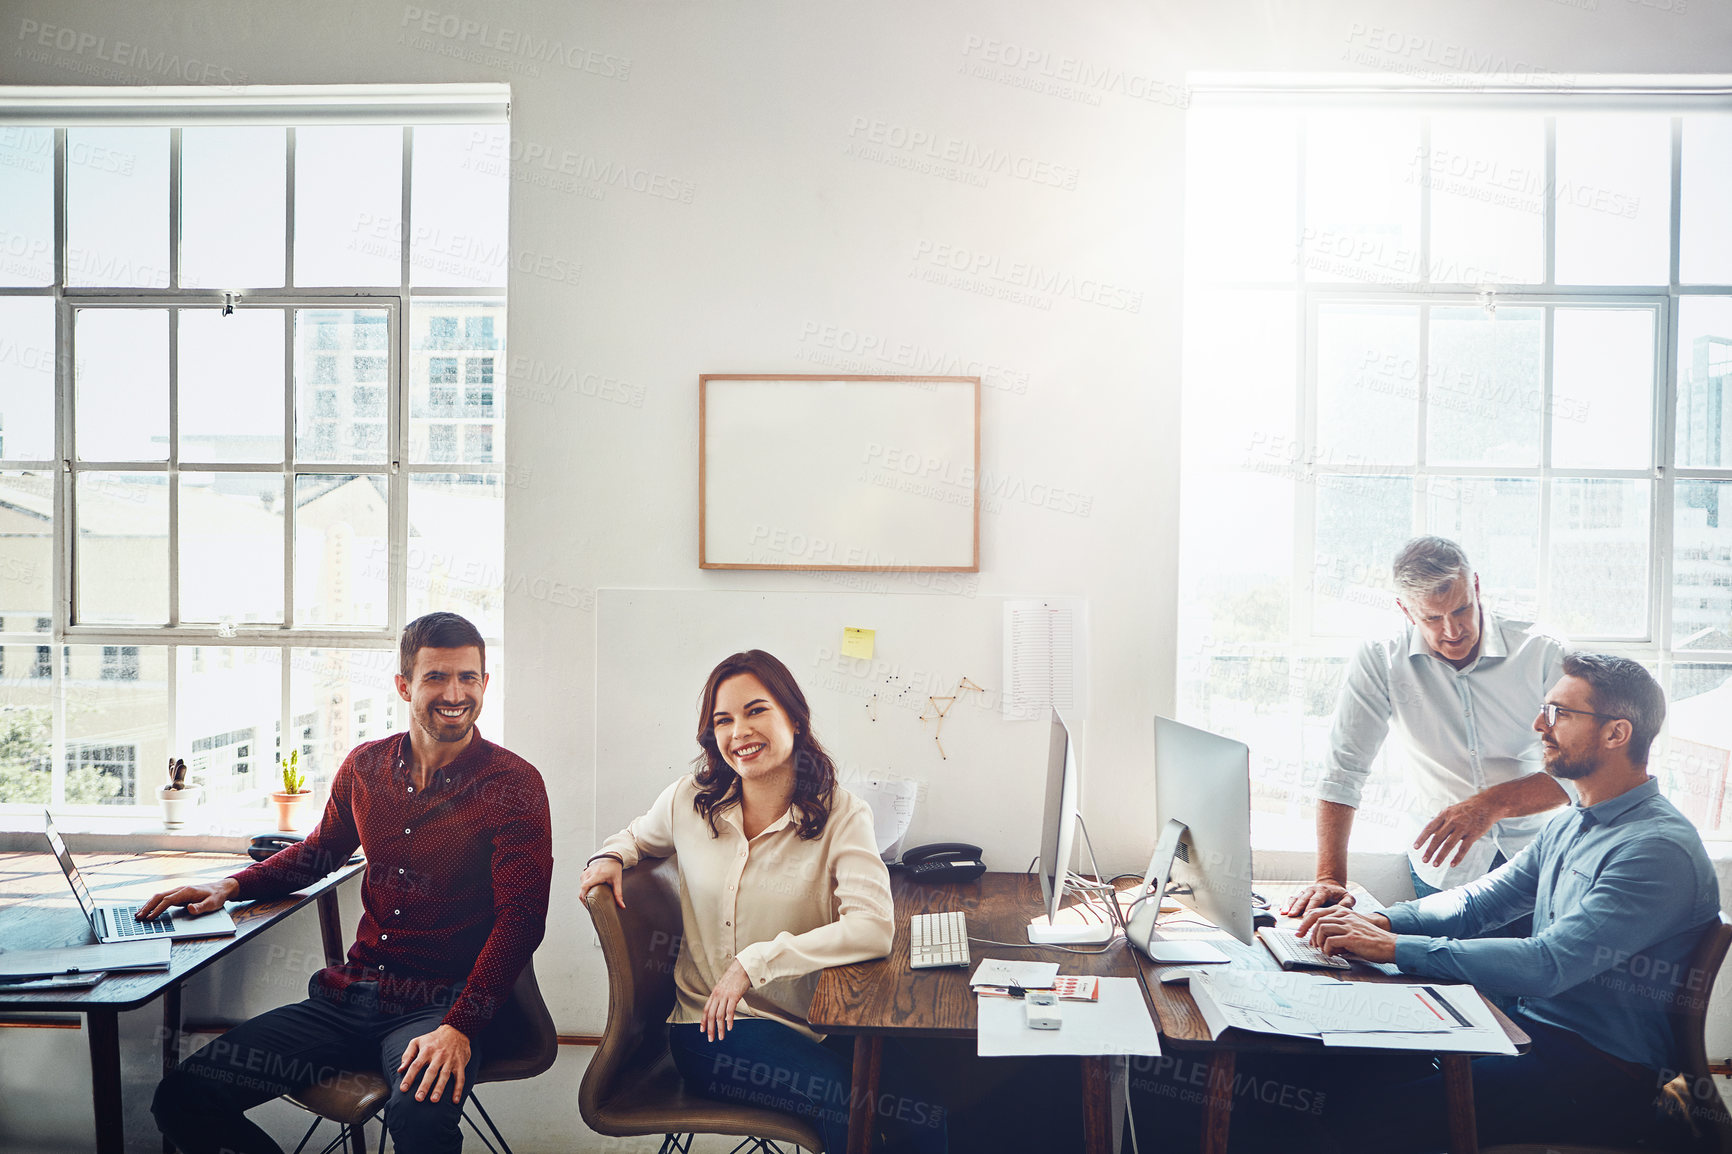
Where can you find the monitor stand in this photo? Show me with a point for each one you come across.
(1141, 930)
(1041, 932)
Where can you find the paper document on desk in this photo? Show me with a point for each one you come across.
(891, 800)
(1119, 1023)
(1480, 1035)
(1003, 972)
(1268, 1001)
(150, 954)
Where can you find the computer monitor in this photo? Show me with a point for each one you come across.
(1058, 845)
(1203, 801)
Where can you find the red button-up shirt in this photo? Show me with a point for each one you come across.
(457, 877)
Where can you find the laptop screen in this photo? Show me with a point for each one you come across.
(70, 868)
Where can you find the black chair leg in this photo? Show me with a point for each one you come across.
(491, 1125)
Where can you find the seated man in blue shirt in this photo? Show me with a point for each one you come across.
(1620, 889)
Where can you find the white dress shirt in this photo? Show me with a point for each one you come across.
(785, 907)
(1462, 730)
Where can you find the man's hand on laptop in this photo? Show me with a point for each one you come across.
(1320, 894)
(203, 898)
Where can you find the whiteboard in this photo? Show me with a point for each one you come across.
(839, 473)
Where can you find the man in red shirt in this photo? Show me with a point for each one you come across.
(454, 902)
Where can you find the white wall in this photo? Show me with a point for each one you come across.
(787, 237)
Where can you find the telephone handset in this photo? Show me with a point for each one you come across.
(944, 861)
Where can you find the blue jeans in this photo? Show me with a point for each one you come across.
(764, 1063)
(200, 1105)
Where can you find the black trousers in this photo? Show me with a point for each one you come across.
(201, 1105)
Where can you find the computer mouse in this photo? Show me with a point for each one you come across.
(1183, 974)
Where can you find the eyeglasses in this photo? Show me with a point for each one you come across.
(1550, 712)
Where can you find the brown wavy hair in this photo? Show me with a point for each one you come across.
(814, 771)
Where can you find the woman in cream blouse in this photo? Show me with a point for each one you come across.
(779, 878)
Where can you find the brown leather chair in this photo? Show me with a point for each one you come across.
(520, 1042)
(1690, 1101)
(631, 1087)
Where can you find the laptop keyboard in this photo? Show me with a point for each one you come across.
(123, 921)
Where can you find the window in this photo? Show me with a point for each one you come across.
(1486, 324)
(238, 507)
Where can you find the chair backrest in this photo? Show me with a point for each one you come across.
(521, 1041)
(1695, 1086)
(640, 943)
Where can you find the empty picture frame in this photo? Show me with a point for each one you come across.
(839, 472)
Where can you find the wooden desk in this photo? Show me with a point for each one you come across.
(1182, 1027)
(37, 911)
(873, 999)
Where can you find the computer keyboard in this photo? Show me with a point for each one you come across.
(1291, 950)
(124, 921)
(937, 940)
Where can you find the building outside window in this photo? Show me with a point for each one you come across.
(258, 564)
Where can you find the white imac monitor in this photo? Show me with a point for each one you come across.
(1203, 799)
(1058, 845)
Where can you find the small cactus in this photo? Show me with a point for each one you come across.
(176, 773)
(294, 781)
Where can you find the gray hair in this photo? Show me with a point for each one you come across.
(1426, 566)
(1622, 688)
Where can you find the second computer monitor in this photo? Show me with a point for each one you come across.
(1203, 781)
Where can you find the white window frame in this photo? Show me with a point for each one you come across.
(62, 109)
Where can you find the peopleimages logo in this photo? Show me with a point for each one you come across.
(1023, 278)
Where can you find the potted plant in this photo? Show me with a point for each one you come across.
(177, 797)
(295, 802)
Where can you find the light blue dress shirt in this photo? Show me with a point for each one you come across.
(1461, 730)
(1620, 893)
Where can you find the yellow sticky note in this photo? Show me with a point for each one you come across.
(858, 642)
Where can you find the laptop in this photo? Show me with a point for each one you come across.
(117, 924)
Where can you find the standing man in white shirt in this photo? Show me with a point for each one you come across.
(1460, 687)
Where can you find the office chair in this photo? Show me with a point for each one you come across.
(520, 1042)
(631, 1087)
(1690, 1102)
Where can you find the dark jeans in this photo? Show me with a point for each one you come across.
(764, 1063)
(201, 1104)
(1562, 1091)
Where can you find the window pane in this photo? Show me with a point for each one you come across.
(121, 376)
(1600, 540)
(1702, 565)
(456, 553)
(1603, 388)
(1367, 384)
(116, 711)
(26, 732)
(1705, 228)
(348, 205)
(27, 378)
(27, 191)
(341, 550)
(1487, 176)
(339, 698)
(458, 354)
(231, 207)
(1695, 751)
(117, 207)
(458, 206)
(1614, 200)
(231, 547)
(1361, 522)
(1485, 387)
(1239, 377)
(26, 550)
(121, 559)
(1497, 521)
(342, 372)
(1241, 214)
(1361, 203)
(231, 385)
(228, 705)
(1704, 381)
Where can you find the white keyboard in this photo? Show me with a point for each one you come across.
(937, 940)
(1291, 950)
